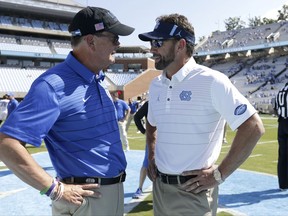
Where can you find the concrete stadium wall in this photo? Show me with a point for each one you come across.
(141, 84)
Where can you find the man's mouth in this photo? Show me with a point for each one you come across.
(156, 57)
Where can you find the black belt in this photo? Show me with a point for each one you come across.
(174, 179)
(95, 180)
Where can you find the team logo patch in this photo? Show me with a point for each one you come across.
(185, 95)
(240, 109)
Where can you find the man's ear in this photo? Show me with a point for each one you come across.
(90, 40)
(181, 44)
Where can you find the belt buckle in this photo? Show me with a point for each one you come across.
(164, 177)
(92, 180)
(69, 180)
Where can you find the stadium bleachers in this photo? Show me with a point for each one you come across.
(20, 78)
(61, 47)
(258, 75)
(32, 23)
(246, 37)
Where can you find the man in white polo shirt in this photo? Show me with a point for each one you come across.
(188, 107)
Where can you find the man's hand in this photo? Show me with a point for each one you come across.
(204, 180)
(152, 170)
(73, 194)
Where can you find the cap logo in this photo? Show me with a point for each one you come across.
(179, 34)
(99, 26)
(173, 30)
(76, 33)
(112, 16)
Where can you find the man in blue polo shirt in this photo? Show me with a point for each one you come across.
(122, 110)
(134, 105)
(13, 103)
(70, 108)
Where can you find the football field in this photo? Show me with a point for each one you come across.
(251, 190)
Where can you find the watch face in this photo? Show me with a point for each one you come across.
(217, 176)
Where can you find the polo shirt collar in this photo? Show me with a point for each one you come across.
(183, 72)
(79, 68)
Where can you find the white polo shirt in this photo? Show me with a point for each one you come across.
(189, 112)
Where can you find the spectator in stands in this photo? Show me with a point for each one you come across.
(188, 106)
(13, 103)
(122, 110)
(139, 115)
(281, 107)
(134, 105)
(70, 107)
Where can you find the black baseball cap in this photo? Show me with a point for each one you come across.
(91, 20)
(167, 30)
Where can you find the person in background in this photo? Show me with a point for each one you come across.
(123, 111)
(13, 103)
(70, 107)
(281, 108)
(3, 108)
(188, 107)
(134, 105)
(224, 134)
(139, 115)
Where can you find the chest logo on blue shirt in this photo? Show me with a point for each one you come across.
(240, 109)
(185, 95)
(86, 99)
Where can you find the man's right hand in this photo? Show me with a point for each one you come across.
(152, 170)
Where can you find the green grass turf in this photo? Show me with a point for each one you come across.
(263, 158)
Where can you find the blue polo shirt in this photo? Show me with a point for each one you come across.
(73, 112)
(12, 105)
(121, 107)
(133, 106)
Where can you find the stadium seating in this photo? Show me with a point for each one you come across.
(21, 79)
(253, 58)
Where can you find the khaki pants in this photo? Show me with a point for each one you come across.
(170, 200)
(129, 120)
(123, 133)
(110, 204)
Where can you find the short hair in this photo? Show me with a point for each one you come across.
(75, 41)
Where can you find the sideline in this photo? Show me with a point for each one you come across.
(244, 193)
(253, 193)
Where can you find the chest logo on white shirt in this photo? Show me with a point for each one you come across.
(185, 95)
(240, 109)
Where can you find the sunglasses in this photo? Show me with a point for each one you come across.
(159, 43)
(113, 38)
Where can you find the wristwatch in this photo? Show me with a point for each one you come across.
(217, 175)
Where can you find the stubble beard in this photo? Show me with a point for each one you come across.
(165, 61)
